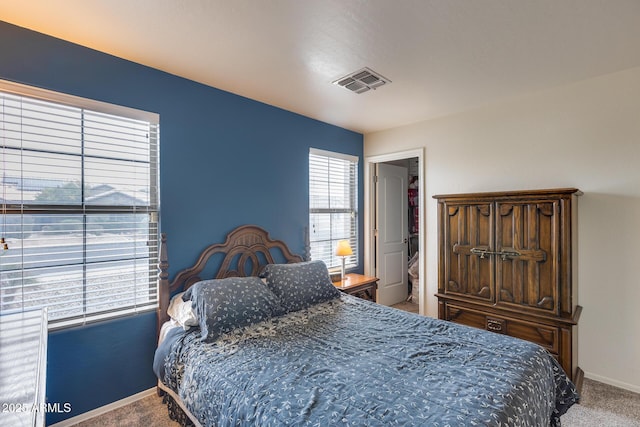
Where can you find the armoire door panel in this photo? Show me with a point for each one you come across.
(469, 226)
(528, 279)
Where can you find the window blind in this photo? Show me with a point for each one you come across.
(79, 206)
(333, 201)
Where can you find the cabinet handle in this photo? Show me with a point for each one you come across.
(508, 254)
(480, 251)
(503, 254)
(494, 325)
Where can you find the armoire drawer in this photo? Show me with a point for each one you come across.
(546, 336)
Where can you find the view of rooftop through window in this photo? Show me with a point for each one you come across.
(79, 191)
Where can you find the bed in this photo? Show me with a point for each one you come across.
(269, 341)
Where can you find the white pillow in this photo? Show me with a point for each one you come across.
(166, 327)
(182, 312)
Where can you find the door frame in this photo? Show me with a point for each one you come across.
(370, 209)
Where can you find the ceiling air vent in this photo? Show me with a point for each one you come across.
(362, 81)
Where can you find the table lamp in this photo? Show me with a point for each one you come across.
(343, 249)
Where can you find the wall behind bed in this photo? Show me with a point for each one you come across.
(225, 161)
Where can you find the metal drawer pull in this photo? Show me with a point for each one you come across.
(503, 254)
(494, 325)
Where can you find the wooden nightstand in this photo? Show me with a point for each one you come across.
(361, 286)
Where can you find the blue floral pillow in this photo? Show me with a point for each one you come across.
(221, 305)
(300, 285)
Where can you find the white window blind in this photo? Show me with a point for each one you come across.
(333, 201)
(79, 206)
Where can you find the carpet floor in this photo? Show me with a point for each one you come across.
(601, 405)
(407, 306)
(604, 405)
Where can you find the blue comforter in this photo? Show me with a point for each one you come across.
(354, 363)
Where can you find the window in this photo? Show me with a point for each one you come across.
(333, 202)
(79, 206)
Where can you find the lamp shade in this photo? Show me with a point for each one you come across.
(343, 248)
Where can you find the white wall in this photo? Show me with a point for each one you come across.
(586, 135)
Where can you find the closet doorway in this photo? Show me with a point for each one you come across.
(394, 187)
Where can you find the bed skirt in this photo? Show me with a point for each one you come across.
(177, 411)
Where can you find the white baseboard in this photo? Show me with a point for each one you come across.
(615, 383)
(104, 409)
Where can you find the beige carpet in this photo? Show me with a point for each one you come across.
(602, 405)
(149, 411)
(407, 306)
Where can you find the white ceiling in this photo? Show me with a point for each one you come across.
(442, 56)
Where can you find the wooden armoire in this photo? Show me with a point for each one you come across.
(506, 264)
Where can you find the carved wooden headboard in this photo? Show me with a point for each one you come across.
(246, 250)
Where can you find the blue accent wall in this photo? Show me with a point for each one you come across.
(225, 160)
